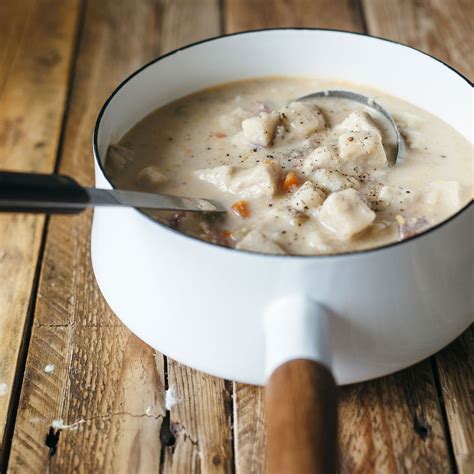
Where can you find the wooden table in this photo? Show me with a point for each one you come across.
(63, 353)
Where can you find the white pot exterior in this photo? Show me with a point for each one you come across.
(203, 305)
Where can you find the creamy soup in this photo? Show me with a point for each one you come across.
(301, 178)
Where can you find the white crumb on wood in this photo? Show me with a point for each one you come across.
(59, 425)
(2, 254)
(152, 412)
(49, 368)
(171, 398)
(3, 389)
(37, 419)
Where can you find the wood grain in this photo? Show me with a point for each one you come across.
(200, 422)
(102, 374)
(249, 429)
(301, 414)
(256, 14)
(109, 398)
(35, 58)
(393, 424)
(455, 365)
(187, 21)
(439, 27)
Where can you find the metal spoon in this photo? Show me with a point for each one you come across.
(370, 103)
(57, 194)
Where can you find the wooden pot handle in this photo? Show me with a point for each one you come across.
(301, 418)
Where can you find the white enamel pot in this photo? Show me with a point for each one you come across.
(363, 315)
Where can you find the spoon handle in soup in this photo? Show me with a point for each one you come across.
(300, 393)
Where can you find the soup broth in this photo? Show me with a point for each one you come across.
(297, 177)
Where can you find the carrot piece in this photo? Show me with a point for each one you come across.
(226, 234)
(290, 182)
(241, 208)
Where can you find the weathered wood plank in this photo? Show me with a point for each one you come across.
(199, 435)
(35, 58)
(442, 28)
(187, 21)
(256, 14)
(200, 422)
(103, 374)
(249, 429)
(456, 373)
(122, 427)
(393, 424)
(109, 400)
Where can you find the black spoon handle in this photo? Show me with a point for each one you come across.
(41, 193)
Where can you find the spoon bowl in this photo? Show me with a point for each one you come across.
(371, 104)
